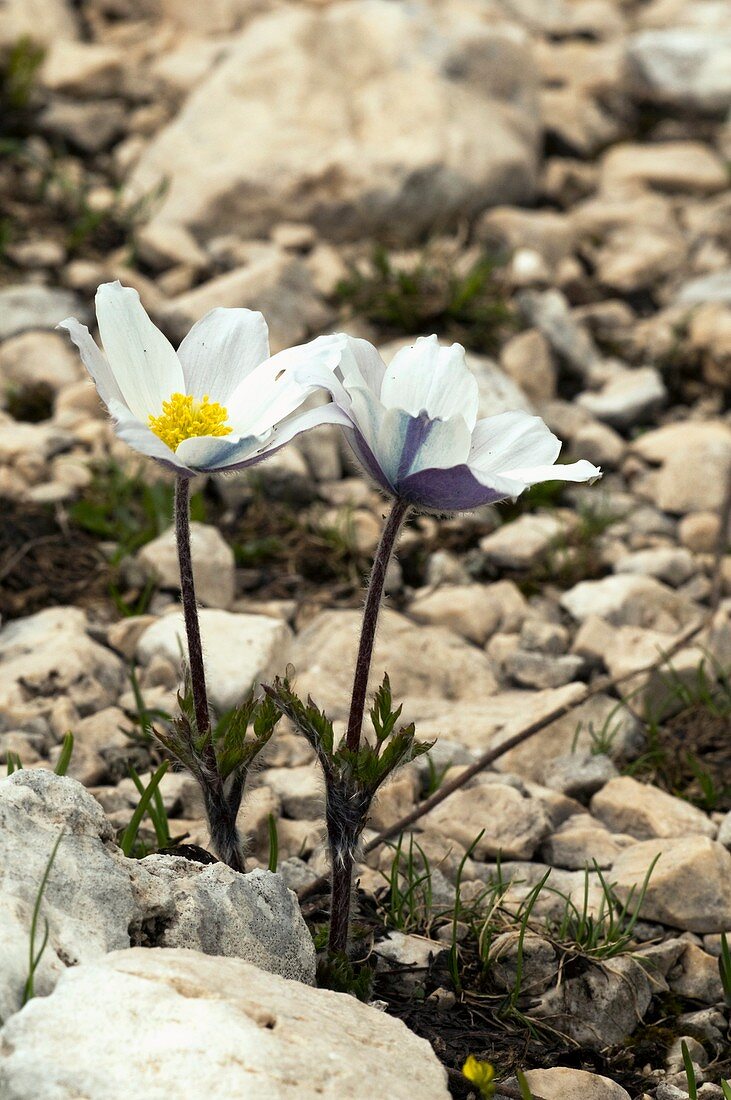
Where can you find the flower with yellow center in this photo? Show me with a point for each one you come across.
(220, 402)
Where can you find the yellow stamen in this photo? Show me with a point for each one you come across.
(184, 417)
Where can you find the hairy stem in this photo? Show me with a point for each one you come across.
(220, 809)
(342, 885)
(342, 841)
(342, 844)
(221, 814)
(370, 620)
(190, 607)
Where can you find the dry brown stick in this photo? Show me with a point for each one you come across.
(605, 683)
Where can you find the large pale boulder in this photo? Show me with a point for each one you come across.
(626, 599)
(96, 900)
(26, 306)
(601, 1006)
(364, 118)
(43, 21)
(512, 825)
(473, 610)
(88, 902)
(210, 908)
(49, 654)
(694, 458)
(159, 1023)
(479, 725)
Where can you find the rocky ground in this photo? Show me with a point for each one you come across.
(546, 182)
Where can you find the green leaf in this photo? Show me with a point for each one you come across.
(383, 716)
(309, 720)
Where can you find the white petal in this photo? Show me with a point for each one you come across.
(210, 452)
(511, 440)
(573, 471)
(221, 349)
(303, 421)
(140, 438)
(143, 361)
(94, 361)
(432, 379)
(447, 444)
(361, 365)
(273, 390)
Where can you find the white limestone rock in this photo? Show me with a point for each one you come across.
(358, 117)
(240, 650)
(88, 902)
(210, 908)
(213, 564)
(690, 886)
(643, 811)
(223, 1021)
(424, 663)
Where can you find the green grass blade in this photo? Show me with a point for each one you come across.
(35, 956)
(64, 758)
(273, 843)
(724, 968)
(689, 1071)
(523, 1085)
(129, 836)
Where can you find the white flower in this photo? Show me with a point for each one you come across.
(218, 403)
(413, 425)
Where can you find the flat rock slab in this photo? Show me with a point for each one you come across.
(27, 307)
(512, 825)
(154, 1023)
(239, 650)
(423, 662)
(572, 1084)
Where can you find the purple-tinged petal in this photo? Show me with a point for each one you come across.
(367, 459)
(452, 490)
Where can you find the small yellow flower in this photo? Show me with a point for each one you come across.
(480, 1074)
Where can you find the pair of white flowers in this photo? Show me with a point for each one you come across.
(222, 402)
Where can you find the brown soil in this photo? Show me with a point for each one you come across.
(43, 562)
